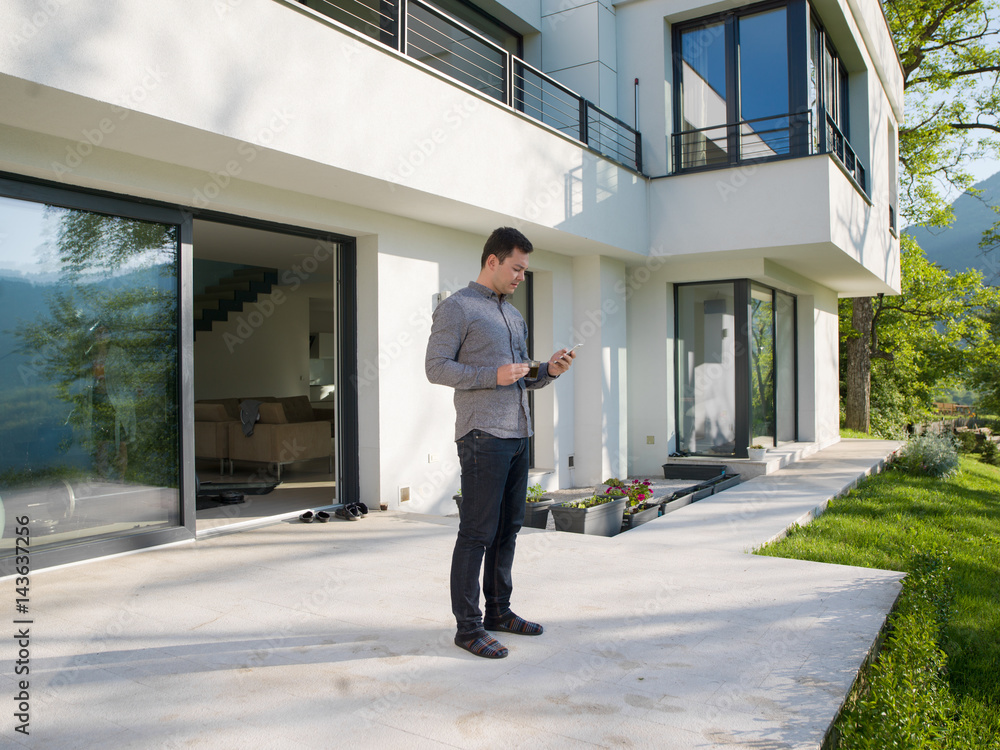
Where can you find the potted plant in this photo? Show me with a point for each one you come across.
(756, 452)
(639, 504)
(600, 515)
(536, 508)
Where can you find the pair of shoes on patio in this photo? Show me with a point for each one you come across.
(352, 511)
(308, 517)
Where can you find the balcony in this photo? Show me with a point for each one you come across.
(437, 40)
(765, 139)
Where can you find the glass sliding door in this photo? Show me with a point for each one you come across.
(736, 374)
(523, 299)
(786, 392)
(763, 83)
(89, 443)
(706, 368)
(761, 350)
(704, 97)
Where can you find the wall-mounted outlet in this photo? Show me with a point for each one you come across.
(431, 458)
(650, 440)
(571, 462)
(404, 494)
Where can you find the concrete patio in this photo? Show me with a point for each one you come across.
(340, 635)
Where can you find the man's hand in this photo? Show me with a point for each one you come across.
(509, 374)
(560, 361)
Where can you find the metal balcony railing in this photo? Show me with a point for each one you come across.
(764, 139)
(439, 41)
(836, 143)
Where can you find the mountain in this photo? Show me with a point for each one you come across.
(956, 248)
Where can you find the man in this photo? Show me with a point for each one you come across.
(477, 346)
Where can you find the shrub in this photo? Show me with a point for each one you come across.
(906, 701)
(991, 454)
(929, 455)
(966, 441)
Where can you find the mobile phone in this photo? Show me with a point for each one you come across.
(574, 348)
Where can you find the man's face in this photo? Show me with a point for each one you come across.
(507, 275)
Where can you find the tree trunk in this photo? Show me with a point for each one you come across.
(857, 400)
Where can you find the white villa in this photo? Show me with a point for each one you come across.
(207, 201)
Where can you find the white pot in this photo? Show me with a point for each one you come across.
(757, 454)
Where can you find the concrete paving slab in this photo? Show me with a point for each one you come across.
(316, 636)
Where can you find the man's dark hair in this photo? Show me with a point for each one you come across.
(502, 243)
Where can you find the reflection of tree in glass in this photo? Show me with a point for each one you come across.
(762, 368)
(108, 344)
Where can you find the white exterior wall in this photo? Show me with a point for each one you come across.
(238, 359)
(219, 93)
(408, 424)
(354, 139)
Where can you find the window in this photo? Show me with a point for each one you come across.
(759, 83)
(736, 374)
(89, 443)
(827, 86)
(734, 82)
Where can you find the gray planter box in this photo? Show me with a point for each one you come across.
(702, 492)
(677, 503)
(631, 520)
(693, 471)
(600, 520)
(536, 515)
(731, 480)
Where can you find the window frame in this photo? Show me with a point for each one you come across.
(801, 19)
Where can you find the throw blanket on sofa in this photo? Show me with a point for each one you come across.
(249, 414)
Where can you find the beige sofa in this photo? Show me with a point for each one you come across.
(288, 430)
(211, 432)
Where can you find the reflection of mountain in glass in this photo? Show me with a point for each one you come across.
(88, 362)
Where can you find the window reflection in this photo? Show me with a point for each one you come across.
(88, 374)
(707, 368)
(761, 366)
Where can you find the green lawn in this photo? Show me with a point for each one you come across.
(938, 681)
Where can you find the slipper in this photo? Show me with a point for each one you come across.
(322, 516)
(482, 644)
(348, 513)
(306, 517)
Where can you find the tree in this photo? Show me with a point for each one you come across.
(106, 347)
(985, 376)
(932, 334)
(951, 61)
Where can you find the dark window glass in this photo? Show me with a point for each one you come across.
(704, 103)
(785, 353)
(763, 67)
(706, 368)
(761, 366)
(88, 374)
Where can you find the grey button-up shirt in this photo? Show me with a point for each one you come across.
(475, 331)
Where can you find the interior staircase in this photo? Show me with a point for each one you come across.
(230, 294)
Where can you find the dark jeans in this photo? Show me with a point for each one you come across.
(494, 484)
